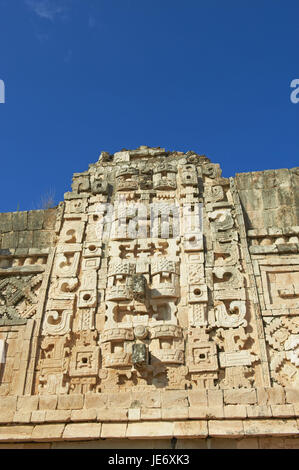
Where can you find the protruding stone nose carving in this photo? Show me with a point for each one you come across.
(139, 354)
(139, 287)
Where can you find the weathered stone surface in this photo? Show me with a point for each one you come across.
(82, 431)
(47, 432)
(145, 430)
(5, 222)
(35, 220)
(19, 221)
(27, 403)
(225, 428)
(159, 300)
(270, 427)
(70, 402)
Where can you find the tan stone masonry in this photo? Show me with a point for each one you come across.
(158, 301)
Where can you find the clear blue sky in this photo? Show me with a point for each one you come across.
(83, 76)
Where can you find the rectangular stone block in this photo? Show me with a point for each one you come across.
(93, 400)
(38, 416)
(146, 430)
(119, 400)
(258, 411)
(240, 396)
(15, 433)
(48, 402)
(151, 399)
(270, 427)
(58, 416)
(47, 432)
(70, 402)
(190, 429)
(292, 394)
(8, 403)
(35, 220)
(6, 222)
(42, 239)
(84, 415)
(110, 414)
(49, 217)
(150, 414)
(10, 240)
(225, 428)
(22, 417)
(82, 431)
(174, 398)
(215, 397)
(235, 411)
(206, 412)
(271, 395)
(27, 403)
(113, 430)
(197, 397)
(134, 414)
(19, 221)
(175, 413)
(25, 239)
(283, 411)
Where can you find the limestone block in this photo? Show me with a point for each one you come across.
(292, 394)
(47, 432)
(271, 396)
(58, 416)
(175, 413)
(35, 220)
(283, 411)
(240, 396)
(112, 414)
(270, 427)
(113, 430)
(49, 216)
(15, 433)
(235, 411)
(225, 428)
(215, 398)
(259, 411)
(42, 239)
(22, 417)
(174, 398)
(38, 416)
(190, 429)
(48, 402)
(27, 403)
(19, 221)
(93, 400)
(82, 431)
(206, 412)
(6, 222)
(151, 414)
(119, 400)
(134, 414)
(70, 402)
(84, 415)
(10, 240)
(197, 397)
(150, 399)
(146, 430)
(8, 403)
(25, 239)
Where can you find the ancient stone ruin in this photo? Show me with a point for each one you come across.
(158, 302)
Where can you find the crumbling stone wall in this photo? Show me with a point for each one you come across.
(116, 323)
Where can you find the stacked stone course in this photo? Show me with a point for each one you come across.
(189, 335)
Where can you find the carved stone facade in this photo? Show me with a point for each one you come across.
(157, 287)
